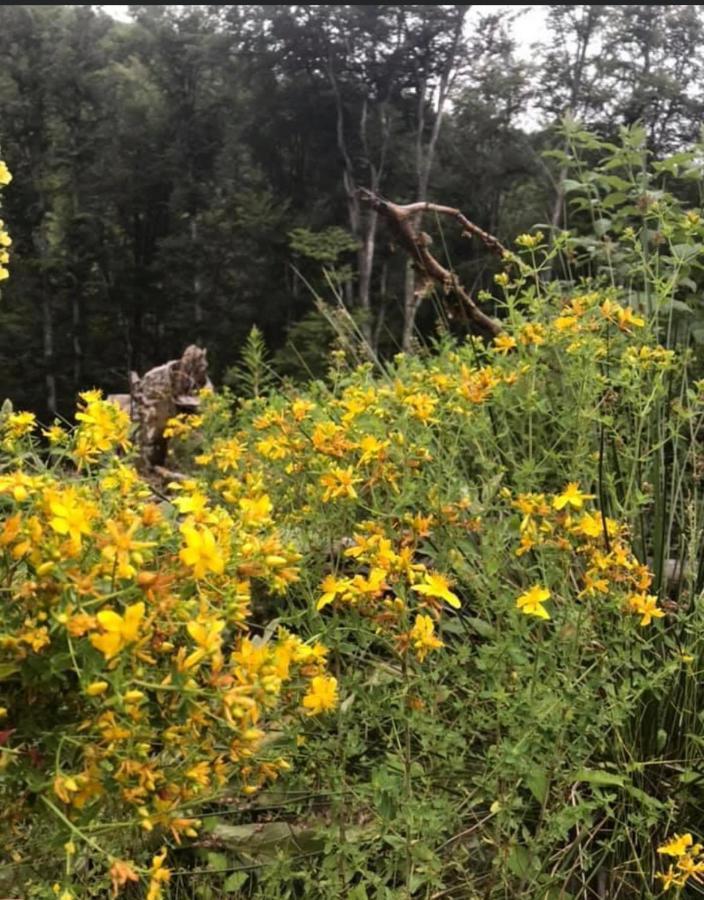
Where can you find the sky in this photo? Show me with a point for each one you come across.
(528, 29)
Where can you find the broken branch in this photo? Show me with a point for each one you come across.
(401, 220)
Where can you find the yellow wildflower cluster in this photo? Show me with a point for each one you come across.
(689, 861)
(392, 580)
(182, 425)
(600, 557)
(103, 426)
(154, 694)
(16, 426)
(530, 241)
(5, 239)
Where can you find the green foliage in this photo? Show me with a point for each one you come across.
(528, 757)
(323, 246)
(638, 221)
(253, 376)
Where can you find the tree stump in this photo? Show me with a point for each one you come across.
(159, 395)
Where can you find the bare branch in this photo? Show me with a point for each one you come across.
(402, 221)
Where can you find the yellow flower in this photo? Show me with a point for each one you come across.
(423, 637)
(339, 482)
(503, 343)
(71, 515)
(532, 333)
(645, 605)
(103, 425)
(531, 602)
(677, 846)
(158, 875)
(589, 526)
(201, 552)
(372, 449)
(566, 323)
(55, 434)
(332, 587)
(20, 423)
(207, 637)
(421, 405)
(64, 786)
(200, 773)
(627, 319)
(96, 688)
(571, 496)
(122, 548)
(256, 511)
(437, 586)
(529, 241)
(194, 504)
(322, 695)
(5, 176)
(671, 879)
(118, 630)
(120, 873)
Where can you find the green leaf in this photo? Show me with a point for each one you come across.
(234, 882)
(538, 785)
(569, 184)
(601, 226)
(519, 861)
(675, 306)
(217, 861)
(689, 776)
(686, 252)
(483, 629)
(599, 778)
(7, 670)
(358, 892)
(614, 199)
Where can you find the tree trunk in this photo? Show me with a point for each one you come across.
(383, 302)
(425, 156)
(48, 350)
(366, 263)
(410, 308)
(76, 341)
(197, 284)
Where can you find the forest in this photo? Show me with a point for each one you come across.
(351, 453)
(188, 174)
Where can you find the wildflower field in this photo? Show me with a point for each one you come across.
(427, 628)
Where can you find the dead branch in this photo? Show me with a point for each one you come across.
(401, 220)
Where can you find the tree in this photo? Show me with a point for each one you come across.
(434, 48)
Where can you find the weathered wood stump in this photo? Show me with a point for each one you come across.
(159, 395)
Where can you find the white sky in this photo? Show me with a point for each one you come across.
(529, 28)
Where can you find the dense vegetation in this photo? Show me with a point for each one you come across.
(421, 624)
(177, 177)
(429, 627)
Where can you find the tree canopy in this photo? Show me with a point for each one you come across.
(188, 174)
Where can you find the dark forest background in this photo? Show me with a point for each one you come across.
(184, 176)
